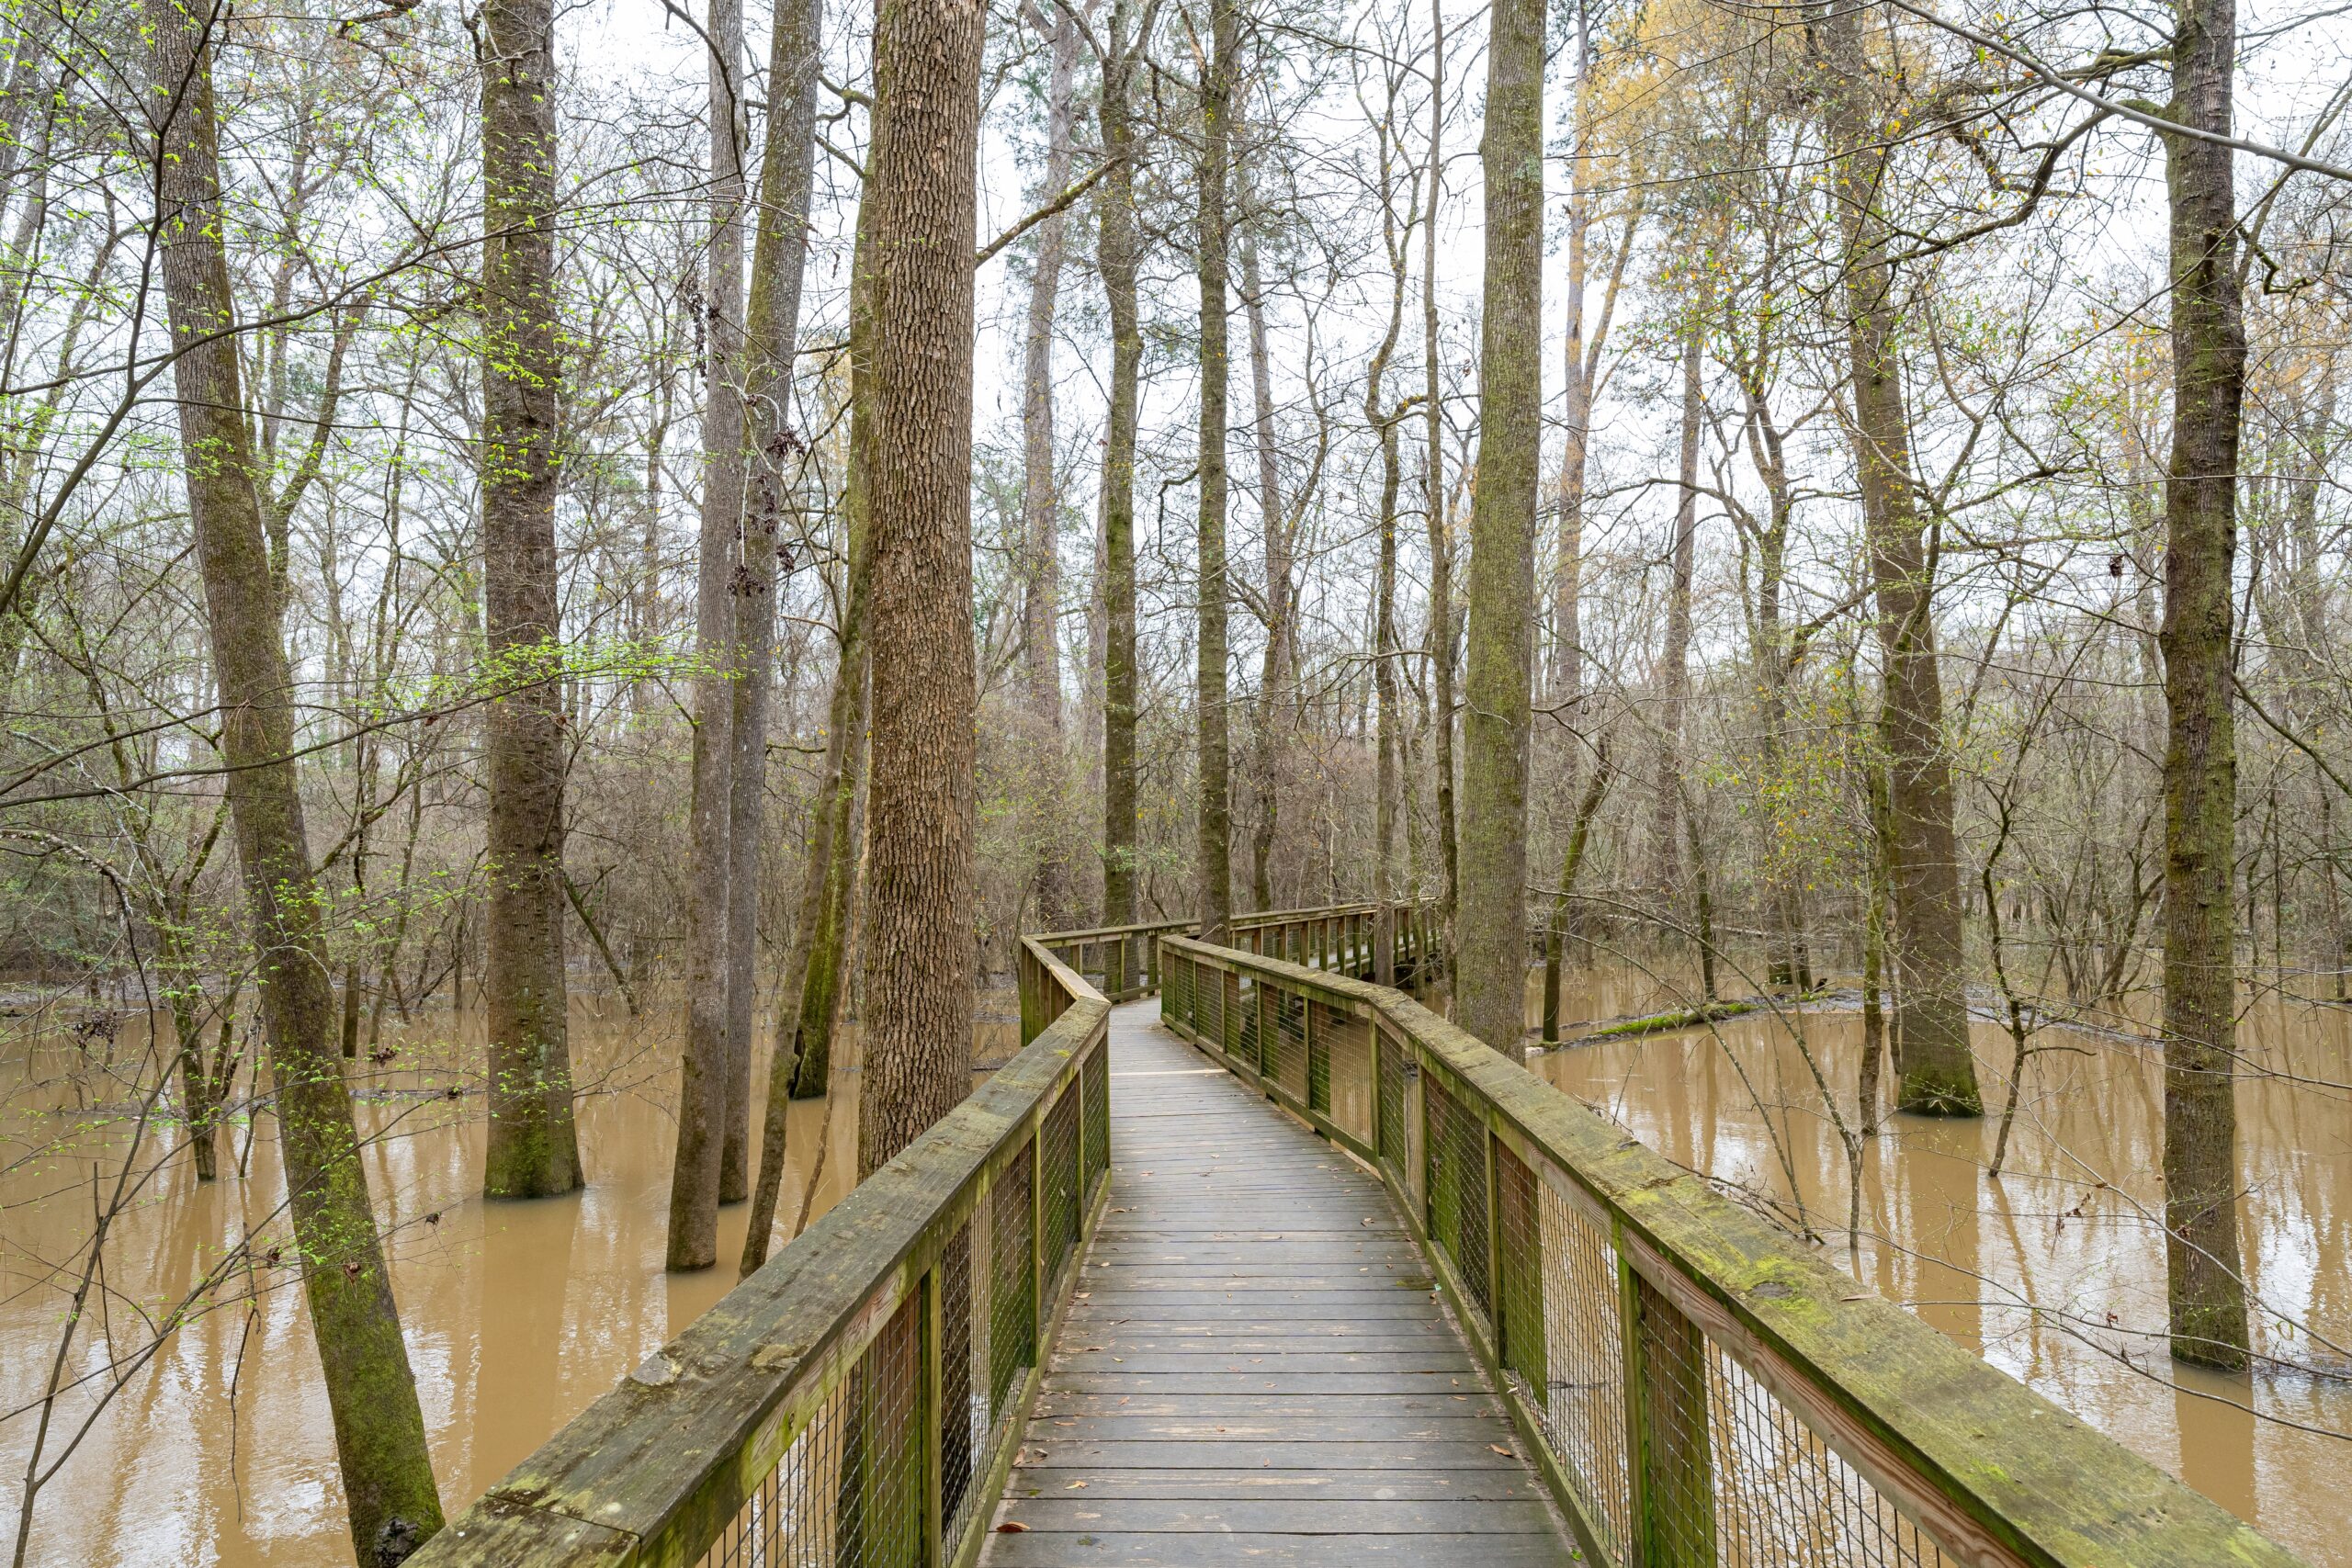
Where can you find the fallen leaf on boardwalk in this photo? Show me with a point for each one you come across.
(1074, 1486)
(1498, 1447)
(1012, 1527)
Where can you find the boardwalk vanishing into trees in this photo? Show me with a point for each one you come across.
(1257, 1361)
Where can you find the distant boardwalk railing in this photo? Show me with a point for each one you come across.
(1696, 1388)
(854, 1403)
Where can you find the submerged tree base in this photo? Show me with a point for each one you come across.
(1928, 1092)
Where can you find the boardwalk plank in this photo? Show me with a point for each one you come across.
(1257, 1367)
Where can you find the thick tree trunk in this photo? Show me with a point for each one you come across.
(1213, 233)
(1041, 496)
(533, 1147)
(704, 1097)
(2204, 1268)
(371, 1394)
(1939, 1075)
(1492, 935)
(919, 958)
(1115, 259)
(772, 329)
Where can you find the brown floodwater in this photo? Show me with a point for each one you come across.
(517, 1314)
(2054, 1271)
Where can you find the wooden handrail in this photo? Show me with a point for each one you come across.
(669, 1462)
(1972, 1461)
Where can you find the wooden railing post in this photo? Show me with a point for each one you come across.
(1665, 1426)
(929, 1423)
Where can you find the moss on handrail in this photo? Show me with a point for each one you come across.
(1994, 1461)
(655, 1470)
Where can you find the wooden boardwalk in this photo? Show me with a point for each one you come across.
(1256, 1367)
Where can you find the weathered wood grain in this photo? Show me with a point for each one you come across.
(1256, 1366)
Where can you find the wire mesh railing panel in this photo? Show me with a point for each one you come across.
(787, 1521)
(1094, 1085)
(1453, 1146)
(1783, 1496)
(1347, 1041)
(1289, 1064)
(1581, 1402)
(1675, 1510)
(1394, 1054)
(963, 1373)
(1208, 1006)
(1058, 1147)
(848, 1492)
(1318, 1057)
(1241, 1001)
(1012, 1283)
(1176, 988)
(878, 1495)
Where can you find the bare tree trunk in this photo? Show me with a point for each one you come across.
(1938, 1072)
(1555, 931)
(1274, 708)
(1433, 479)
(1674, 664)
(1041, 496)
(704, 1097)
(771, 332)
(533, 1148)
(1212, 231)
(1492, 937)
(371, 1394)
(1567, 648)
(2206, 1287)
(772, 327)
(919, 956)
(821, 968)
(1389, 741)
(1115, 259)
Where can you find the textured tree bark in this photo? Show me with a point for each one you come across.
(371, 1394)
(1388, 740)
(1792, 964)
(2205, 1285)
(1275, 711)
(1212, 234)
(533, 1148)
(1491, 990)
(1040, 495)
(1576, 415)
(918, 955)
(771, 333)
(1440, 545)
(703, 1065)
(1939, 1075)
(1674, 664)
(1115, 260)
(828, 939)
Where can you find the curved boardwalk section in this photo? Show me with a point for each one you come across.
(1256, 1366)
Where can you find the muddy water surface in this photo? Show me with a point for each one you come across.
(518, 1316)
(2054, 1271)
